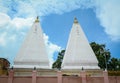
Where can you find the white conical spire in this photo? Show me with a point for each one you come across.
(33, 51)
(78, 53)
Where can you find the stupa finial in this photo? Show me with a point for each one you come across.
(37, 19)
(75, 20)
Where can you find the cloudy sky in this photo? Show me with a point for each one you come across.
(100, 20)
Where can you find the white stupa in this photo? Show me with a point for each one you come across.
(78, 53)
(33, 51)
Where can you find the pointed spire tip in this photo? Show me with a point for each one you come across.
(75, 20)
(37, 19)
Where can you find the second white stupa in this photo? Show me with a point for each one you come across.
(79, 54)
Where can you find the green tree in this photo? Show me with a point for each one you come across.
(58, 62)
(118, 66)
(104, 57)
(102, 54)
(114, 64)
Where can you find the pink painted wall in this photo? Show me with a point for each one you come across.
(3, 79)
(27, 79)
(95, 80)
(53, 79)
(46, 79)
(114, 79)
(71, 79)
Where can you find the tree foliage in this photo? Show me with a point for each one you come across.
(58, 62)
(103, 55)
(114, 64)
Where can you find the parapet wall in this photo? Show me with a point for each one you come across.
(59, 78)
(65, 79)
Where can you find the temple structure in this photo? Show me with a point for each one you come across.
(78, 54)
(31, 65)
(33, 55)
(33, 50)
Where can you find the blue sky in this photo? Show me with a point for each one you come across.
(99, 20)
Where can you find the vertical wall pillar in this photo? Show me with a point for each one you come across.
(105, 75)
(34, 75)
(59, 77)
(83, 75)
(10, 76)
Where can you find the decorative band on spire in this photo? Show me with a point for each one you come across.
(37, 19)
(75, 20)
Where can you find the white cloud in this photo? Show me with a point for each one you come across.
(2, 39)
(22, 22)
(10, 29)
(17, 22)
(51, 48)
(3, 7)
(108, 12)
(13, 37)
(42, 8)
(4, 19)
